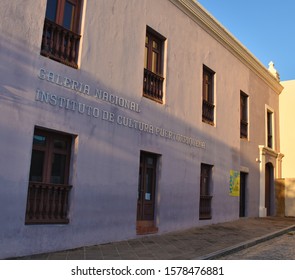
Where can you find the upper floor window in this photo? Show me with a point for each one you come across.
(153, 65)
(243, 115)
(60, 39)
(208, 96)
(269, 129)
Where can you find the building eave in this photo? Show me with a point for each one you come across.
(207, 22)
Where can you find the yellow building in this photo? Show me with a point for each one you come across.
(287, 135)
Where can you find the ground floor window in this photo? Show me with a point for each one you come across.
(205, 192)
(48, 190)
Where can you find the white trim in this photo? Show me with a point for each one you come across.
(205, 20)
(164, 70)
(82, 30)
(264, 154)
(244, 169)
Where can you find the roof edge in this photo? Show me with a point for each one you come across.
(206, 21)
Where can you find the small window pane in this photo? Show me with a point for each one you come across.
(244, 107)
(139, 183)
(155, 62)
(58, 169)
(206, 92)
(146, 58)
(69, 16)
(39, 140)
(155, 45)
(150, 161)
(51, 9)
(60, 144)
(149, 184)
(37, 162)
(208, 86)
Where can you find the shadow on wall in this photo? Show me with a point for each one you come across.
(104, 193)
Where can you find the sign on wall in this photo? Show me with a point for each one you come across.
(94, 110)
(234, 183)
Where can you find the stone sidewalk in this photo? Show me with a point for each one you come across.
(207, 242)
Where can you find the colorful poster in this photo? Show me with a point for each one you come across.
(234, 183)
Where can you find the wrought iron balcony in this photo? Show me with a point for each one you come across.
(208, 112)
(244, 129)
(205, 207)
(153, 85)
(47, 203)
(60, 44)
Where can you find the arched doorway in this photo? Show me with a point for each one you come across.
(269, 189)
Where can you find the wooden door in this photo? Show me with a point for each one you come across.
(243, 182)
(146, 187)
(269, 182)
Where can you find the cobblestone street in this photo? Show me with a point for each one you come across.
(279, 248)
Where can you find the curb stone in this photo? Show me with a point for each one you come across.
(245, 245)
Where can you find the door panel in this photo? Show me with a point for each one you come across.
(269, 182)
(243, 182)
(146, 187)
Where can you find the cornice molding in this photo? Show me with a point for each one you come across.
(207, 22)
(268, 151)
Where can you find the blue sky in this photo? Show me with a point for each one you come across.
(264, 27)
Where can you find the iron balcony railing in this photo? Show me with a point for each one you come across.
(153, 85)
(47, 203)
(208, 112)
(244, 129)
(60, 44)
(205, 207)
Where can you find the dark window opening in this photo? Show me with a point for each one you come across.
(243, 115)
(60, 40)
(48, 191)
(269, 129)
(153, 66)
(205, 192)
(208, 96)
